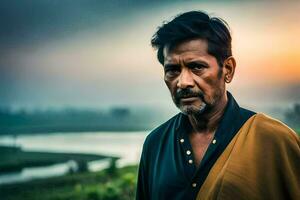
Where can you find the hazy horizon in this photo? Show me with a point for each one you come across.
(96, 54)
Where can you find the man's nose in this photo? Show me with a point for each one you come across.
(186, 79)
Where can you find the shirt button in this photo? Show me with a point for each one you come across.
(214, 141)
(191, 161)
(194, 184)
(181, 140)
(188, 152)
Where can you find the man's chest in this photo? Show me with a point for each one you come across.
(172, 174)
(199, 144)
(175, 167)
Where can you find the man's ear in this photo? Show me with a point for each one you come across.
(229, 69)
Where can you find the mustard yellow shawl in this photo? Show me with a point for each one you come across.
(261, 162)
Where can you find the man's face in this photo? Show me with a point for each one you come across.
(195, 80)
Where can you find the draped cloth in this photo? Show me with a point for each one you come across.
(262, 161)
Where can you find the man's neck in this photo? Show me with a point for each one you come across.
(208, 123)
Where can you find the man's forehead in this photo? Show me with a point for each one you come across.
(188, 49)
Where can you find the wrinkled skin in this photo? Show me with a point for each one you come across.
(194, 78)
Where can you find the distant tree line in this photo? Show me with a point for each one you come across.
(74, 120)
(292, 117)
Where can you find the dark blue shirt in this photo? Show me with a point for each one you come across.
(167, 169)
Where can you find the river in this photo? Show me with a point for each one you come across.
(126, 145)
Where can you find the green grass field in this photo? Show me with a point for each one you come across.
(110, 184)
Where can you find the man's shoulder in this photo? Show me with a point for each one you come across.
(272, 129)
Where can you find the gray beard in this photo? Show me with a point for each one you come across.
(190, 110)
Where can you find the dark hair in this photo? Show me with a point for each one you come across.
(191, 25)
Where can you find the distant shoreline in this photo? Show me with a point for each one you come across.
(77, 120)
(14, 159)
(73, 130)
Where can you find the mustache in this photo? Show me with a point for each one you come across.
(188, 92)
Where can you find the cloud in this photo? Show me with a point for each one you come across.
(31, 20)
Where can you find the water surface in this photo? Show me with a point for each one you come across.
(126, 145)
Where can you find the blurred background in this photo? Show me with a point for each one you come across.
(80, 86)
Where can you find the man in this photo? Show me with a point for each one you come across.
(213, 149)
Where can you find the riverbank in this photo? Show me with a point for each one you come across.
(111, 183)
(14, 159)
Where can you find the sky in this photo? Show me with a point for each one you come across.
(97, 54)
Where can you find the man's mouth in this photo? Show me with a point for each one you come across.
(189, 99)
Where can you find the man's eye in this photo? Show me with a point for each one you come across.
(171, 73)
(196, 67)
(172, 70)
